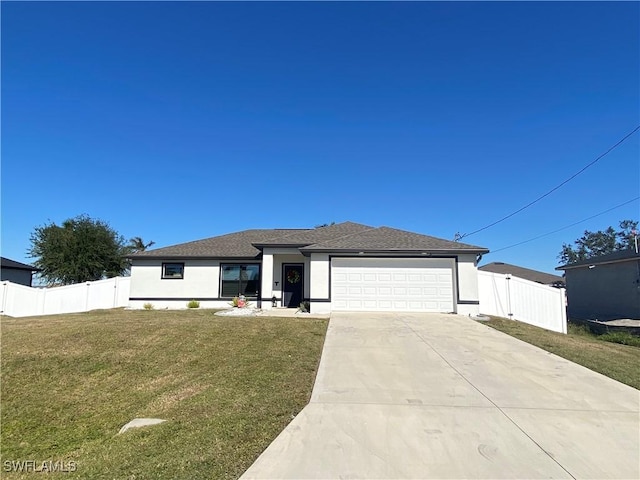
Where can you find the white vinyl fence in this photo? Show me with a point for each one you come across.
(500, 295)
(518, 299)
(20, 301)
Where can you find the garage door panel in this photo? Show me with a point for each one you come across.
(339, 277)
(372, 284)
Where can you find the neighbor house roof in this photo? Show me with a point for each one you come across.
(347, 236)
(7, 263)
(521, 272)
(614, 257)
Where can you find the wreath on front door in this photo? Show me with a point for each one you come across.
(293, 276)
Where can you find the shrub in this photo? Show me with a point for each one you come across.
(193, 304)
(305, 307)
(234, 302)
(148, 306)
(623, 338)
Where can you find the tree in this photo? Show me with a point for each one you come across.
(136, 244)
(593, 244)
(81, 249)
(325, 225)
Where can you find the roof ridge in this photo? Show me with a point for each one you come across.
(285, 237)
(347, 235)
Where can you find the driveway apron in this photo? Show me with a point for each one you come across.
(442, 396)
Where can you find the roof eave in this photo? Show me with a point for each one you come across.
(279, 245)
(193, 257)
(587, 264)
(412, 252)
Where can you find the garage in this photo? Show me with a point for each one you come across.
(392, 284)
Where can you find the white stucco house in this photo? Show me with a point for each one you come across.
(346, 266)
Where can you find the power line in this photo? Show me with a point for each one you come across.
(459, 237)
(564, 228)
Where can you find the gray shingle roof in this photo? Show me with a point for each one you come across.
(614, 257)
(347, 236)
(392, 239)
(320, 234)
(521, 272)
(232, 245)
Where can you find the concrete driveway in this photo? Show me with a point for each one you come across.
(442, 396)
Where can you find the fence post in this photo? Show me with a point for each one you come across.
(4, 296)
(508, 284)
(86, 298)
(116, 284)
(42, 301)
(563, 309)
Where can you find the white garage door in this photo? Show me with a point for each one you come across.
(393, 284)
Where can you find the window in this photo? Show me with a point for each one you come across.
(173, 270)
(239, 279)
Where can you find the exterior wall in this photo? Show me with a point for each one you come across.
(181, 304)
(272, 281)
(16, 275)
(468, 299)
(604, 292)
(201, 282)
(266, 290)
(465, 284)
(320, 280)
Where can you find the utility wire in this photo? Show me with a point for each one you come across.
(564, 228)
(459, 237)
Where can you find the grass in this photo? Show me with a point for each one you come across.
(579, 345)
(226, 386)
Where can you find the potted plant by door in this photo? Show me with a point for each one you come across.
(242, 302)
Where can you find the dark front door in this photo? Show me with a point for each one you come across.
(292, 285)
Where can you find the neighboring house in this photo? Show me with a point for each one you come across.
(526, 273)
(605, 287)
(16, 272)
(347, 266)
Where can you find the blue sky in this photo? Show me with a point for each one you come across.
(180, 121)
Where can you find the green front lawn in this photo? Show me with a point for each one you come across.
(227, 386)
